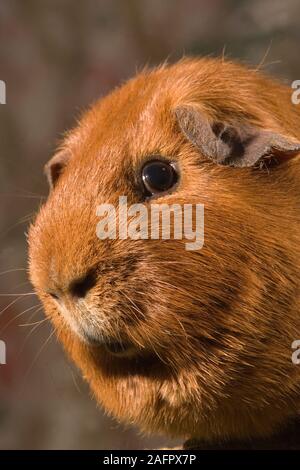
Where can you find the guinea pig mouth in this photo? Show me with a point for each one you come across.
(118, 348)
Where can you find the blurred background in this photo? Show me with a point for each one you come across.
(56, 57)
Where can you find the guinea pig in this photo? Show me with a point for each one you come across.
(190, 343)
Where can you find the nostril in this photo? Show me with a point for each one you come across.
(54, 295)
(80, 287)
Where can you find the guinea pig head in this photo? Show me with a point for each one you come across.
(189, 342)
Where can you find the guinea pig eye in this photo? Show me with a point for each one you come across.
(158, 176)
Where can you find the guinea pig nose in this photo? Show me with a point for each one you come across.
(80, 287)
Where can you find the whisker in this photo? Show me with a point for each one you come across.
(27, 217)
(179, 289)
(151, 343)
(21, 284)
(9, 305)
(39, 353)
(18, 193)
(12, 271)
(28, 196)
(29, 334)
(20, 222)
(19, 294)
(15, 318)
(261, 63)
(74, 379)
(35, 312)
(34, 323)
(136, 308)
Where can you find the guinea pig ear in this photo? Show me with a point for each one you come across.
(238, 145)
(55, 167)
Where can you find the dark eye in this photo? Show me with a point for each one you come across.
(158, 176)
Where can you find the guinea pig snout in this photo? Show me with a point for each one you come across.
(77, 288)
(80, 314)
(74, 301)
(89, 323)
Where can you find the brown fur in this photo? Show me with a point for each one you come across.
(214, 326)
